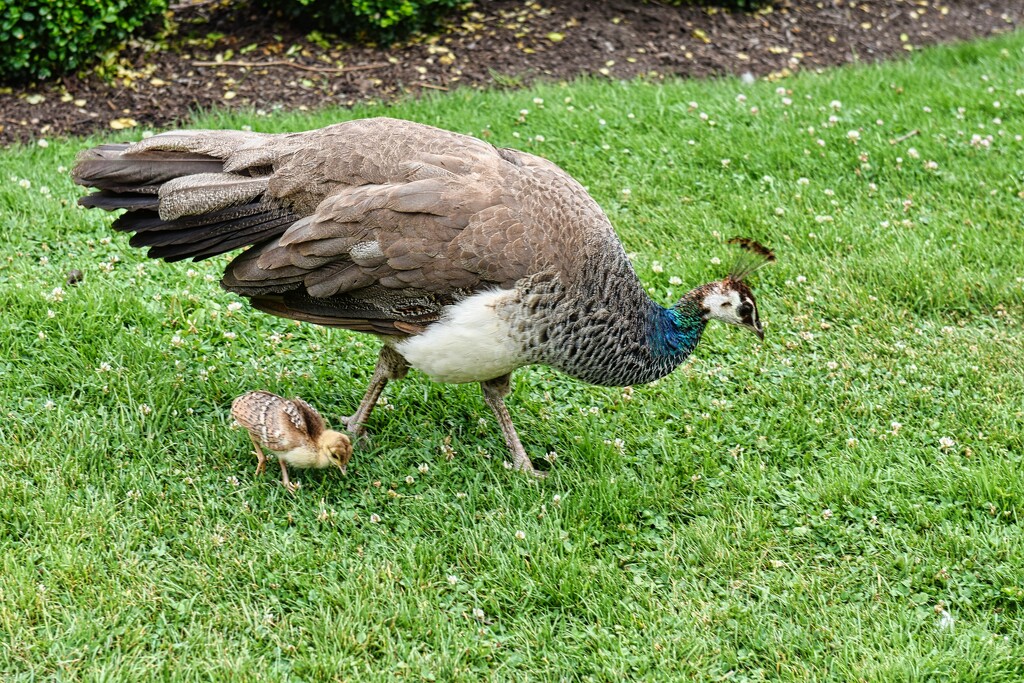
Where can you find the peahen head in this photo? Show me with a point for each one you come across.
(730, 300)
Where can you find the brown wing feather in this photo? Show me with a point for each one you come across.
(362, 206)
(274, 422)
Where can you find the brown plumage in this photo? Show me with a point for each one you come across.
(292, 430)
(468, 261)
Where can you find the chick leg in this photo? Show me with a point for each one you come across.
(261, 466)
(495, 390)
(285, 480)
(390, 365)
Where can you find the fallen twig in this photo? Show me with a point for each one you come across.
(429, 85)
(896, 141)
(281, 62)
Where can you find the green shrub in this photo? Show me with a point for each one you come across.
(43, 38)
(377, 20)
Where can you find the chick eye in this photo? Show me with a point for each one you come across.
(745, 310)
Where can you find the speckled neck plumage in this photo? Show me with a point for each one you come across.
(604, 329)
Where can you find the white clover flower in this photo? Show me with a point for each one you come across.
(45, 191)
(25, 183)
(104, 367)
(423, 468)
(851, 442)
(539, 138)
(895, 427)
(49, 405)
(145, 409)
(779, 211)
(715, 261)
(656, 267)
(520, 535)
(741, 98)
(556, 499)
(826, 514)
(478, 614)
(626, 191)
(803, 181)
(931, 165)
(452, 579)
(675, 281)
(946, 443)
(853, 136)
(538, 101)
(374, 518)
(836, 104)
(913, 153)
(410, 480)
(234, 306)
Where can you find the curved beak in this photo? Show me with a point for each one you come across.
(758, 330)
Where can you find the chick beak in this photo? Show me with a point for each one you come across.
(758, 330)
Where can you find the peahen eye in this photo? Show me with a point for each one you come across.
(745, 310)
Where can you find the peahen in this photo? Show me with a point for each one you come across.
(467, 260)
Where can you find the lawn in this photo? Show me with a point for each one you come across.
(842, 502)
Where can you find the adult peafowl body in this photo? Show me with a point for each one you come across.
(469, 261)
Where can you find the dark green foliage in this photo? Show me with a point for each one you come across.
(378, 20)
(44, 38)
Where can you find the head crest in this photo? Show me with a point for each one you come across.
(752, 258)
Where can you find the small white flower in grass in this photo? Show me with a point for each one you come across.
(520, 535)
(43, 142)
(423, 468)
(801, 279)
(374, 518)
(820, 142)
(524, 112)
(895, 427)
(45, 191)
(233, 481)
(626, 192)
(715, 261)
(230, 335)
(853, 136)
(452, 579)
(913, 153)
(946, 620)
(779, 211)
(176, 340)
(675, 281)
(741, 98)
(49, 405)
(851, 442)
(831, 365)
(803, 181)
(478, 614)
(926, 110)
(556, 500)
(538, 138)
(24, 183)
(931, 165)
(538, 101)
(56, 294)
(786, 101)
(826, 514)
(631, 115)
(104, 367)
(234, 306)
(946, 443)
(726, 162)
(656, 267)
(410, 480)
(601, 122)
(191, 272)
(836, 104)
(145, 409)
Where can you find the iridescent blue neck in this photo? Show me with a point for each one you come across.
(673, 332)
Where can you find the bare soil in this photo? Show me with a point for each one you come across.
(229, 54)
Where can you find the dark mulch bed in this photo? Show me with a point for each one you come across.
(504, 43)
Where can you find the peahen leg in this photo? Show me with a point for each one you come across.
(495, 390)
(390, 365)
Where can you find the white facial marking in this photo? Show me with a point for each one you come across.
(724, 306)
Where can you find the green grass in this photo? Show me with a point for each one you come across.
(764, 518)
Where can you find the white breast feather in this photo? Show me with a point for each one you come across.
(471, 343)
